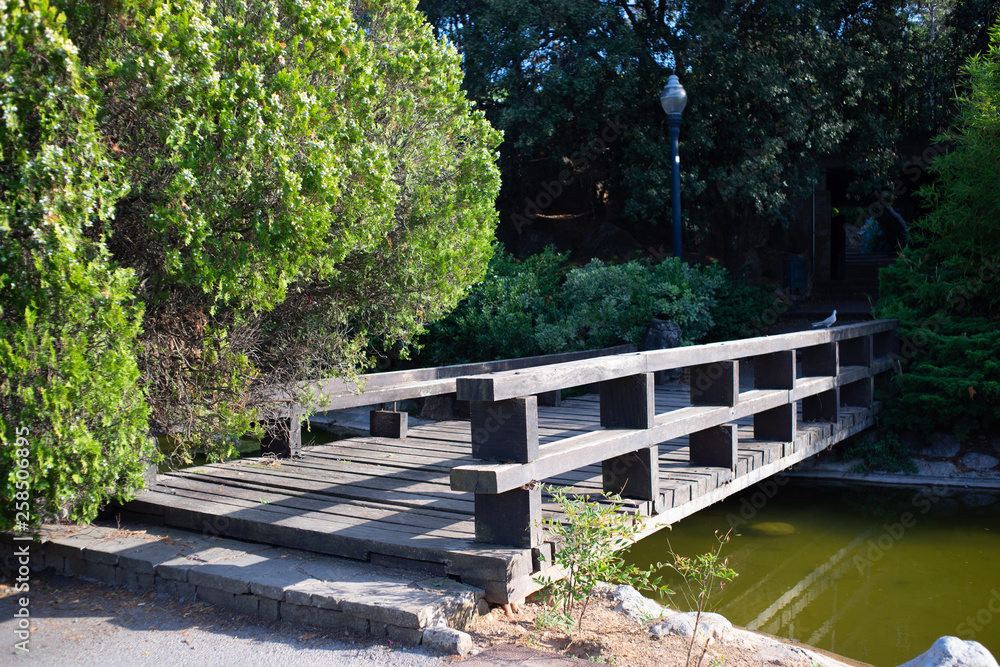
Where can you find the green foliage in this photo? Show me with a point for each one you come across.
(68, 322)
(772, 87)
(202, 200)
(602, 304)
(945, 289)
(497, 319)
(743, 310)
(700, 575)
(887, 453)
(591, 537)
(540, 306)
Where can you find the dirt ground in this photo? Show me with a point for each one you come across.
(611, 637)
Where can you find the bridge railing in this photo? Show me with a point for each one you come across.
(825, 369)
(288, 406)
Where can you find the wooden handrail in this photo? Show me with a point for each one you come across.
(838, 366)
(498, 386)
(374, 388)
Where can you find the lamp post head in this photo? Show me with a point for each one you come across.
(673, 99)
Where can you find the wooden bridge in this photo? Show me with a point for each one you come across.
(463, 498)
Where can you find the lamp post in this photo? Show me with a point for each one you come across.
(673, 99)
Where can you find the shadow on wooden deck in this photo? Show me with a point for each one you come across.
(390, 502)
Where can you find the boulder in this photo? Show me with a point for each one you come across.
(711, 625)
(954, 652)
(980, 462)
(447, 640)
(944, 446)
(632, 603)
(661, 335)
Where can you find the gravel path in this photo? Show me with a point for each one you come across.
(77, 623)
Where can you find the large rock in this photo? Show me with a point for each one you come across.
(661, 335)
(711, 625)
(944, 446)
(954, 652)
(980, 462)
(634, 605)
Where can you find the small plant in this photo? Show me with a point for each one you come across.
(700, 575)
(590, 538)
(887, 453)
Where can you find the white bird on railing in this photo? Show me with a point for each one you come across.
(828, 322)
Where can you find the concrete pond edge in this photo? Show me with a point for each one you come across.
(271, 583)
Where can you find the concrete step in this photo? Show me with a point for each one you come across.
(273, 583)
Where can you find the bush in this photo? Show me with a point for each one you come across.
(498, 317)
(201, 201)
(945, 289)
(887, 453)
(72, 425)
(601, 305)
(540, 306)
(743, 310)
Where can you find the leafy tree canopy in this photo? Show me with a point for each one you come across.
(204, 199)
(773, 88)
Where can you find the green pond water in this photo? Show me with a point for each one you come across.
(872, 574)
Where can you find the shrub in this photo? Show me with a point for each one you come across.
(204, 200)
(743, 310)
(497, 319)
(72, 425)
(887, 453)
(601, 305)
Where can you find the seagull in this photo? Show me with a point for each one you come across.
(828, 322)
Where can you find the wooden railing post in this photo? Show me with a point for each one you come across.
(821, 360)
(715, 384)
(387, 423)
(507, 431)
(775, 371)
(512, 518)
(282, 437)
(628, 402)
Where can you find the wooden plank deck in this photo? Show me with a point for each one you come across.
(389, 501)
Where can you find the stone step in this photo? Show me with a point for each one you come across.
(273, 583)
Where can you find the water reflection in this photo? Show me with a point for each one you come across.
(874, 574)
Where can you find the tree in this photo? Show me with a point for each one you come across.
(279, 187)
(774, 88)
(945, 288)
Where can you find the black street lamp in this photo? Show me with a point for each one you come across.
(673, 99)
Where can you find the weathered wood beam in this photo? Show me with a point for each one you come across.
(634, 475)
(511, 518)
(715, 447)
(505, 430)
(819, 360)
(282, 437)
(510, 384)
(822, 407)
(628, 402)
(387, 423)
(717, 383)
